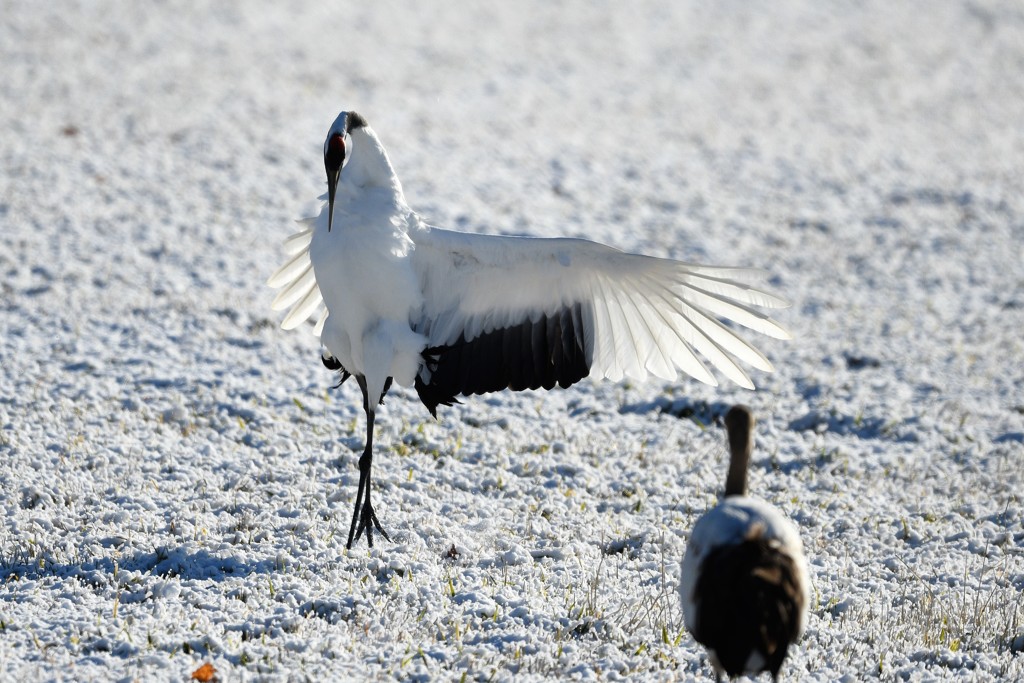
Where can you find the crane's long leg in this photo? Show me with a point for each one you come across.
(363, 516)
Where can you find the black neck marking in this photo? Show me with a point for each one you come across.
(353, 121)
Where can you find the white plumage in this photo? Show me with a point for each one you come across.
(397, 298)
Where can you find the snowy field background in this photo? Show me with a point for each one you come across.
(177, 473)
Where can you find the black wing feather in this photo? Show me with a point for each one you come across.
(532, 354)
(749, 600)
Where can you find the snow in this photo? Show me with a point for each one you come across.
(178, 472)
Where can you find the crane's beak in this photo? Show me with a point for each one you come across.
(334, 159)
(332, 188)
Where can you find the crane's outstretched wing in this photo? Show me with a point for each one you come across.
(520, 312)
(523, 312)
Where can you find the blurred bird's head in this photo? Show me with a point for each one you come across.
(337, 149)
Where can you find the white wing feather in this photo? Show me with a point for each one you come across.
(643, 315)
(296, 277)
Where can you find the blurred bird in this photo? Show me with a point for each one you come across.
(453, 313)
(744, 585)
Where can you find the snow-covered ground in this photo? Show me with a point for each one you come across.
(177, 472)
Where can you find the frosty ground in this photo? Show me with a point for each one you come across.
(178, 472)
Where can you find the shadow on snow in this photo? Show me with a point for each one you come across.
(181, 563)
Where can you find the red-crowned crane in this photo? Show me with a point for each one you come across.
(744, 586)
(454, 313)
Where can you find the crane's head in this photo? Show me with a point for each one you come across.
(337, 149)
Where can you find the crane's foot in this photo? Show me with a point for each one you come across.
(364, 519)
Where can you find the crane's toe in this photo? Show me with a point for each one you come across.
(367, 521)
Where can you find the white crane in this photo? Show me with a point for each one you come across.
(455, 313)
(744, 586)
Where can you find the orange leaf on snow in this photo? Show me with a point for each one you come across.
(205, 673)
